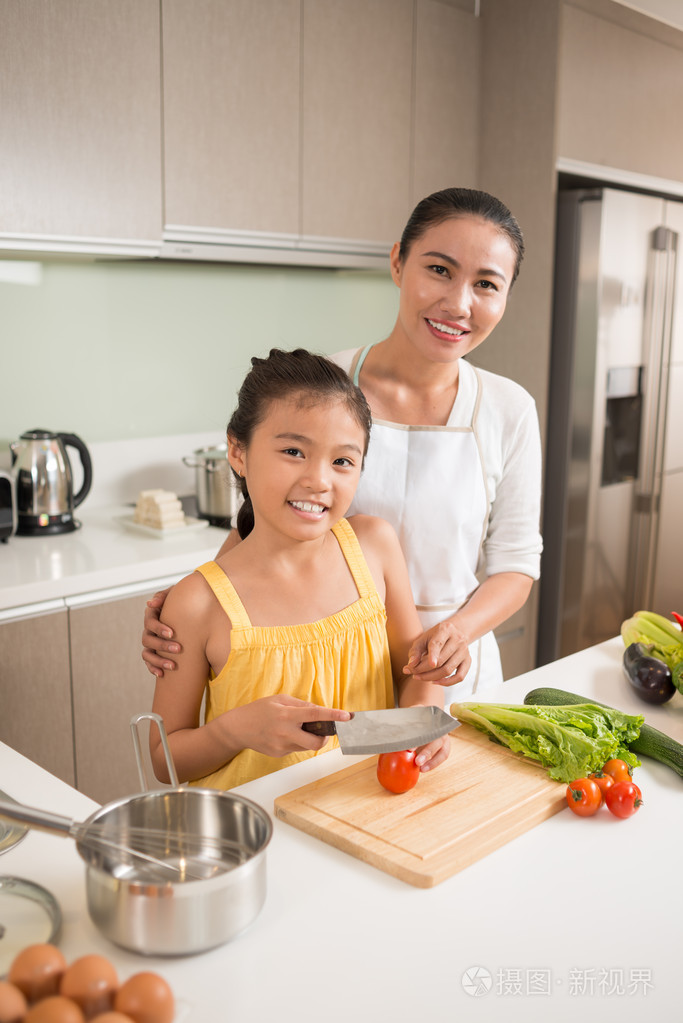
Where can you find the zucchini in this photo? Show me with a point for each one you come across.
(650, 743)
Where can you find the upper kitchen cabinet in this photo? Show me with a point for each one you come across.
(619, 89)
(287, 129)
(357, 114)
(80, 126)
(231, 81)
(447, 106)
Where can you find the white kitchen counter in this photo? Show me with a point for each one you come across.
(102, 554)
(578, 918)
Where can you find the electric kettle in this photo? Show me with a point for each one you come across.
(44, 483)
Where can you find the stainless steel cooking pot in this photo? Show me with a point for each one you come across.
(146, 909)
(217, 496)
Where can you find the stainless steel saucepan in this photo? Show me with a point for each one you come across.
(173, 871)
(217, 495)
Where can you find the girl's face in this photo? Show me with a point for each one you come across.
(454, 285)
(302, 466)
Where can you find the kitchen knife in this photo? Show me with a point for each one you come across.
(386, 731)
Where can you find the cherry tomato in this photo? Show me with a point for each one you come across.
(624, 798)
(584, 797)
(619, 770)
(398, 772)
(603, 781)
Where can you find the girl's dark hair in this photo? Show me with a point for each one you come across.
(460, 202)
(312, 379)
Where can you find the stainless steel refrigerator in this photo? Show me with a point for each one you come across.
(613, 492)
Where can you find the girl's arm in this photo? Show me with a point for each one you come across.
(271, 725)
(158, 639)
(197, 751)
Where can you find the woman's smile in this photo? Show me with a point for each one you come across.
(447, 331)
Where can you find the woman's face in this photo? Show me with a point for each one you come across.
(454, 285)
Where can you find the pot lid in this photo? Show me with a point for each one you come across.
(29, 915)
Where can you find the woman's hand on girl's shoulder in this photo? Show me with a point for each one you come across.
(185, 610)
(157, 638)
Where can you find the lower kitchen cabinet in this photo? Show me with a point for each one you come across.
(71, 678)
(110, 683)
(35, 690)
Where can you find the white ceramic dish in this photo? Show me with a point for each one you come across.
(128, 522)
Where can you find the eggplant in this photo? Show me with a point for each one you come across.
(650, 677)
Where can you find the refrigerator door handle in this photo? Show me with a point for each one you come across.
(657, 352)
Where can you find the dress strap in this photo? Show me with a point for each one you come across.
(357, 362)
(225, 594)
(355, 559)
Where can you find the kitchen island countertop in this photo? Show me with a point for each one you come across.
(575, 918)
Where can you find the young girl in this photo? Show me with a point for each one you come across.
(290, 625)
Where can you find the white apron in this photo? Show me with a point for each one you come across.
(429, 482)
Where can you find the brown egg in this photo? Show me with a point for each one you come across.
(112, 1017)
(91, 982)
(12, 1003)
(55, 1009)
(146, 998)
(37, 970)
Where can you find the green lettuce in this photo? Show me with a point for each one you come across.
(677, 676)
(570, 741)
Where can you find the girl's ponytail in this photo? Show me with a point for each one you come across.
(245, 516)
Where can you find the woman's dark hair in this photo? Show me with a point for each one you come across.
(461, 202)
(311, 379)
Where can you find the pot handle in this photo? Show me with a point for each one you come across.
(134, 722)
(201, 465)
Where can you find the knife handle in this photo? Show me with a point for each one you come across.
(320, 727)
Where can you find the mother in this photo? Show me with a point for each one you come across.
(455, 456)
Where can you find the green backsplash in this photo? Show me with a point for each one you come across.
(117, 350)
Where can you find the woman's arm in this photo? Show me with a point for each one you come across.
(158, 638)
(510, 435)
(439, 651)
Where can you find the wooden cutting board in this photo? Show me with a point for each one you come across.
(481, 798)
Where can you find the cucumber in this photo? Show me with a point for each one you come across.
(650, 743)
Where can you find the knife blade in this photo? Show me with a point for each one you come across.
(386, 731)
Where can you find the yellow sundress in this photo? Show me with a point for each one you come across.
(340, 661)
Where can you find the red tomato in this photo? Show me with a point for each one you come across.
(398, 772)
(603, 781)
(619, 770)
(624, 798)
(584, 797)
